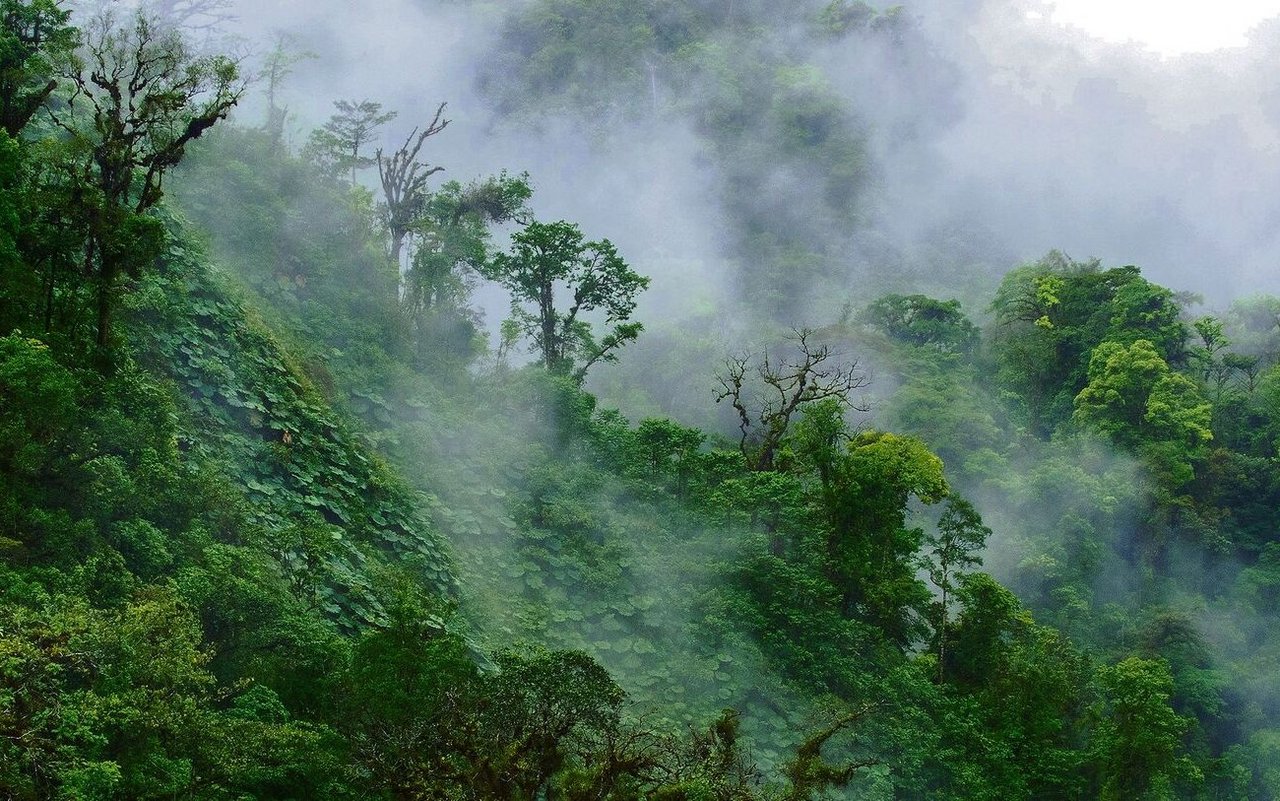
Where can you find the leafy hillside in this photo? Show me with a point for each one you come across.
(283, 518)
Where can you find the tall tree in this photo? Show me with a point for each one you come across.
(954, 546)
(869, 552)
(141, 96)
(277, 67)
(451, 243)
(547, 258)
(1138, 743)
(339, 144)
(404, 182)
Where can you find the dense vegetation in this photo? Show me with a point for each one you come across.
(278, 519)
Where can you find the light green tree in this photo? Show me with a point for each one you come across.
(1138, 401)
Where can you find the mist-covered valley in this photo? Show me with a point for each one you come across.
(617, 399)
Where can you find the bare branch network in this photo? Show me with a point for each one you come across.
(767, 401)
(404, 181)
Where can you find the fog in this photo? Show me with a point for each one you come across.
(995, 124)
(991, 136)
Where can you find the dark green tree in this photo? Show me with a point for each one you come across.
(954, 546)
(35, 37)
(924, 322)
(140, 98)
(1052, 314)
(866, 550)
(548, 259)
(451, 238)
(1137, 745)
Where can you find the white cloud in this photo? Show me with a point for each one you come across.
(1168, 27)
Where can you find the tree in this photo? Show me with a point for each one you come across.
(192, 15)
(451, 244)
(782, 386)
(1215, 371)
(404, 182)
(954, 546)
(1143, 310)
(1137, 400)
(989, 613)
(924, 322)
(1052, 314)
(869, 552)
(547, 257)
(140, 98)
(34, 35)
(810, 773)
(337, 146)
(278, 66)
(1137, 744)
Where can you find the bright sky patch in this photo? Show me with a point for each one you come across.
(1167, 27)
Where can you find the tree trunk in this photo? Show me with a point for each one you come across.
(48, 298)
(106, 279)
(397, 247)
(546, 300)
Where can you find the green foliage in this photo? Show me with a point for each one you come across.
(141, 96)
(923, 322)
(337, 147)
(954, 546)
(546, 257)
(120, 704)
(291, 452)
(1137, 743)
(227, 565)
(1134, 398)
(1050, 317)
(453, 245)
(35, 38)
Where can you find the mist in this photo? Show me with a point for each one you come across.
(993, 138)
(604, 399)
(991, 135)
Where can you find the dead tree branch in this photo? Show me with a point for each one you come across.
(767, 402)
(404, 182)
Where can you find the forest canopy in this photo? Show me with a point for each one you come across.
(293, 508)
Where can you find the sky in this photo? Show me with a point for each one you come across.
(1169, 28)
(1022, 136)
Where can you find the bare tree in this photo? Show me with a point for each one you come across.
(404, 182)
(140, 97)
(196, 16)
(767, 401)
